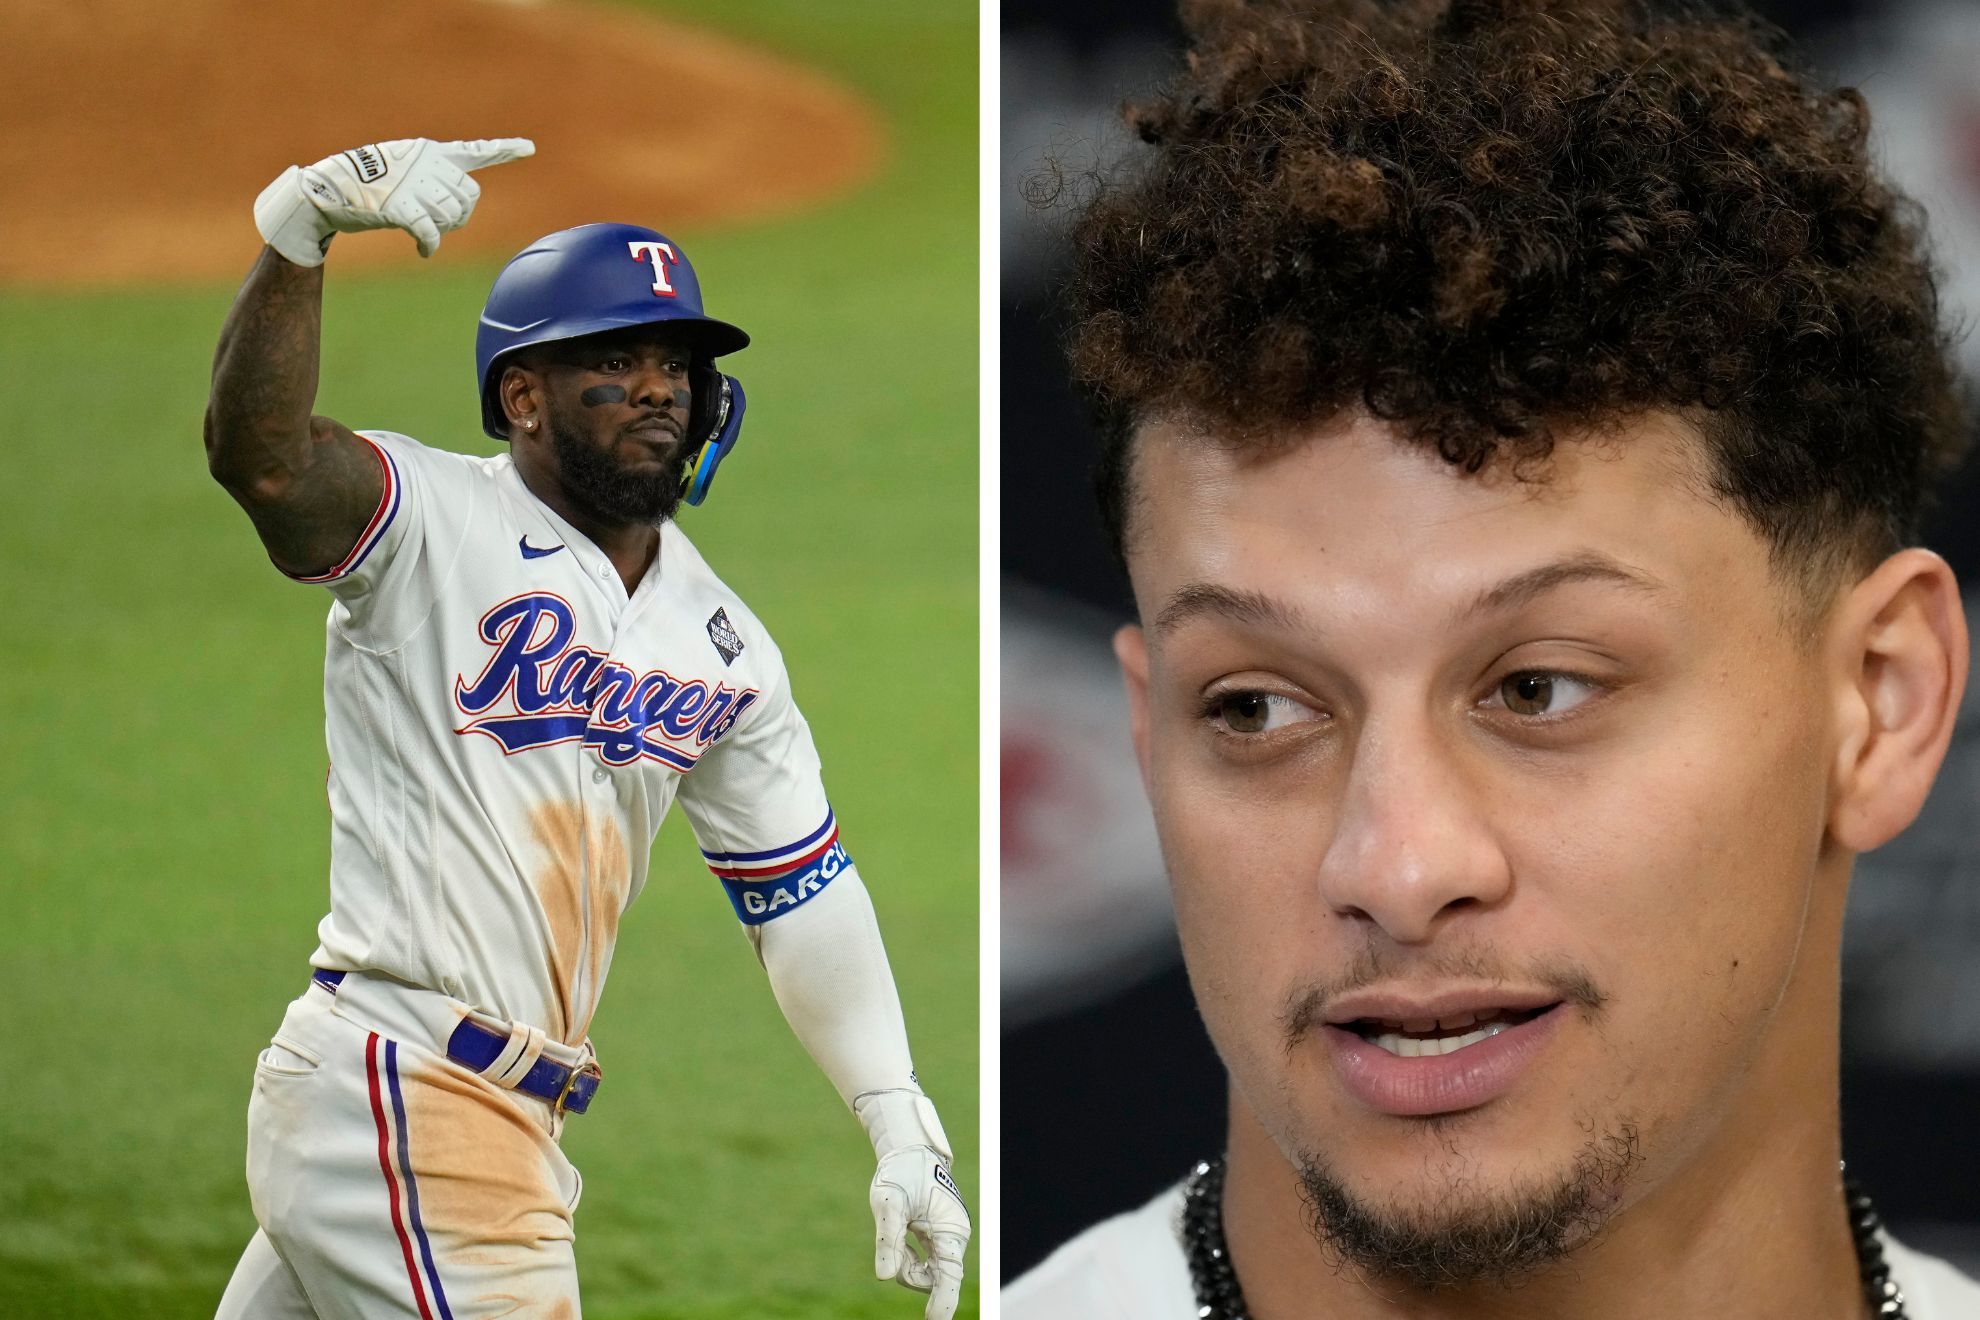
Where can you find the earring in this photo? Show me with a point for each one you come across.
(530, 424)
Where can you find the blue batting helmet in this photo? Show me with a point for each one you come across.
(605, 277)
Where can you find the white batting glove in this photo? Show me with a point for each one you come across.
(914, 1193)
(414, 184)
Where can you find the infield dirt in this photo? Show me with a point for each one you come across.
(139, 134)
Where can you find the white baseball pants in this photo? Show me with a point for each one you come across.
(391, 1182)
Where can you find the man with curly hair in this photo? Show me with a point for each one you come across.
(1516, 415)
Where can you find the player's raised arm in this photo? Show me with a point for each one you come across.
(307, 482)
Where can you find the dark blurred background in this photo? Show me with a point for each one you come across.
(1110, 1088)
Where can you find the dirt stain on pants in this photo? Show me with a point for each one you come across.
(495, 1194)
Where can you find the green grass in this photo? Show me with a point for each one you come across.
(163, 833)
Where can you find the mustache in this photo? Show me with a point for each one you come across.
(675, 422)
(1308, 1008)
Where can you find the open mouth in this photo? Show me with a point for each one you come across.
(1445, 1035)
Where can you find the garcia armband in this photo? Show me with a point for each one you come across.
(765, 885)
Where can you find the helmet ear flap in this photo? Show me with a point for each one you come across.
(716, 432)
(704, 417)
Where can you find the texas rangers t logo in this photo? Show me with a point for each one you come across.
(662, 256)
(557, 691)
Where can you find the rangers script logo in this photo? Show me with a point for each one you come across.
(554, 691)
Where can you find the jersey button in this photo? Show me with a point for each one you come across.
(599, 776)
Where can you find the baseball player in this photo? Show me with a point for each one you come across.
(528, 663)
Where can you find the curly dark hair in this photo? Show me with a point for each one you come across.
(1494, 221)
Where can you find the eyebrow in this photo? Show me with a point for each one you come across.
(1198, 600)
(1585, 566)
(1208, 600)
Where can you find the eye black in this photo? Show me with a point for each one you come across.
(1528, 694)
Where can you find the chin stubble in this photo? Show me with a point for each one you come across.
(1469, 1236)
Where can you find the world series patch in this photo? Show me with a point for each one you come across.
(724, 636)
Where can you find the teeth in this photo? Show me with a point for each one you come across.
(1455, 1022)
(1413, 1047)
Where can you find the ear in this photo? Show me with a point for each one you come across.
(522, 400)
(1131, 649)
(1900, 653)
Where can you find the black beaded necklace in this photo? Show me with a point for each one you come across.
(1218, 1296)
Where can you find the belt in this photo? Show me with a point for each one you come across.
(567, 1090)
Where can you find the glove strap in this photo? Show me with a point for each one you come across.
(290, 223)
(895, 1120)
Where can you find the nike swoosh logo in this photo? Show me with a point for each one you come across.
(532, 552)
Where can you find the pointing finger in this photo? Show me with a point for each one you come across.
(483, 152)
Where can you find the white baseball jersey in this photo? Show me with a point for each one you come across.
(507, 729)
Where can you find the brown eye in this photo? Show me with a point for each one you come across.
(1537, 693)
(1528, 694)
(1244, 712)
(1248, 714)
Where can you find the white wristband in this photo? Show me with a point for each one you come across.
(898, 1119)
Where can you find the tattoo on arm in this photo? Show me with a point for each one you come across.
(309, 485)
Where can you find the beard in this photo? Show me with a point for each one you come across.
(1498, 1239)
(597, 483)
